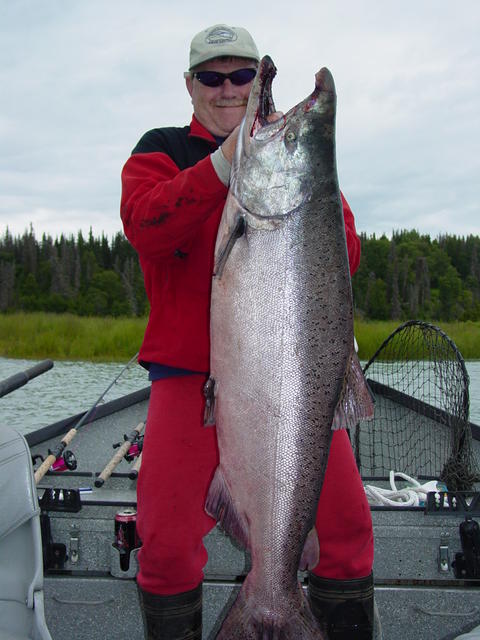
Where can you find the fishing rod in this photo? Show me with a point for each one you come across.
(19, 379)
(68, 437)
(123, 450)
(133, 475)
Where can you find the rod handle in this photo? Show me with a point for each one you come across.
(19, 379)
(52, 457)
(116, 459)
(135, 467)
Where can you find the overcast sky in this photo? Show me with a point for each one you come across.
(82, 80)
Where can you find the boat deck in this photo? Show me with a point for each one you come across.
(416, 598)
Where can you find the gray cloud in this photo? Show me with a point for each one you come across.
(81, 81)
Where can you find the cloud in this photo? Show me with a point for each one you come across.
(82, 81)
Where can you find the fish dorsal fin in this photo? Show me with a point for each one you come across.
(356, 400)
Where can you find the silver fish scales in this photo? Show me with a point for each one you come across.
(283, 368)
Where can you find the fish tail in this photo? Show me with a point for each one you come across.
(246, 621)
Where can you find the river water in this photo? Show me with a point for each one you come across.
(71, 387)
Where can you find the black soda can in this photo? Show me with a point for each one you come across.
(126, 538)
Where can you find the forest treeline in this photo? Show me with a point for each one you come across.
(406, 276)
(413, 276)
(84, 276)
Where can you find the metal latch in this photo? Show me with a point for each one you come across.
(74, 543)
(443, 553)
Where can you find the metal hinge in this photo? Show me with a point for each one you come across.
(74, 543)
(443, 553)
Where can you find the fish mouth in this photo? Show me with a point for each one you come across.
(260, 103)
(284, 167)
(324, 82)
(324, 86)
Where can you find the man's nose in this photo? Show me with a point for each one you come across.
(228, 88)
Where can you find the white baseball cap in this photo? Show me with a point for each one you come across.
(222, 40)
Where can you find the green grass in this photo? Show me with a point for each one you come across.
(466, 335)
(69, 337)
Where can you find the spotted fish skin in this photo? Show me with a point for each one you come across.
(283, 367)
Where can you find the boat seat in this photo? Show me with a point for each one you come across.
(22, 614)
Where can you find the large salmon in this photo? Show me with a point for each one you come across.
(283, 365)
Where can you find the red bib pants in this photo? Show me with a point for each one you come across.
(178, 461)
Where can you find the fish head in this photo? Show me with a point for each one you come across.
(277, 165)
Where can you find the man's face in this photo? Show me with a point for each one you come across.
(220, 109)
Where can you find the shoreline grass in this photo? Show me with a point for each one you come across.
(69, 337)
(371, 334)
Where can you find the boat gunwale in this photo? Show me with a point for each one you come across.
(62, 426)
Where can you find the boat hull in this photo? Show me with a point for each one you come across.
(417, 600)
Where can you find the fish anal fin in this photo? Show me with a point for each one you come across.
(219, 505)
(311, 551)
(356, 401)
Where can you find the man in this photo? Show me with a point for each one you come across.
(174, 189)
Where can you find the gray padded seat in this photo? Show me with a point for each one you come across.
(22, 614)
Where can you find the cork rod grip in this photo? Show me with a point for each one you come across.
(117, 458)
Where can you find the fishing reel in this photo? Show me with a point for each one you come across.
(67, 461)
(135, 448)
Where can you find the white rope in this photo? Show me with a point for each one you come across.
(414, 495)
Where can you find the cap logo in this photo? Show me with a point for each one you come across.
(221, 35)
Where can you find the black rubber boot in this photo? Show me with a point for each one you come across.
(176, 617)
(344, 608)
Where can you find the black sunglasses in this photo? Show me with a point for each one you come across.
(216, 78)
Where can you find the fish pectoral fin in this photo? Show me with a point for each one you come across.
(311, 551)
(209, 411)
(356, 401)
(225, 249)
(219, 505)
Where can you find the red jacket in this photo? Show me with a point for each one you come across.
(172, 201)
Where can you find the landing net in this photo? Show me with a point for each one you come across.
(420, 426)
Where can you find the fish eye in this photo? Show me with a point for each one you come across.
(290, 136)
(290, 140)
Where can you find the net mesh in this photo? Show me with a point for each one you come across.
(420, 426)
